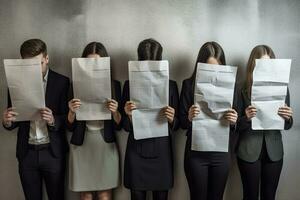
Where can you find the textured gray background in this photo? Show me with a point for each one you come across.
(182, 27)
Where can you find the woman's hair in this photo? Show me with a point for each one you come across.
(98, 48)
(94, 48)
(256, 53)
(149, 49)
(209, 49)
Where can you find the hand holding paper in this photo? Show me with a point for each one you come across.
(129, 107)
(92, 85)
(26, 90)
(149, 95)
(74, 105)
(214, 88)
(169, 113)
(269, 89)
(194, 111)
(46, 114)
(9, 116)
(285, 112)
(231, 116)
(250, 112)
(112, 105)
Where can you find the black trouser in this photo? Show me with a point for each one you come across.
(264, 173)
(206, 173)
(38, 166)
(141, 195)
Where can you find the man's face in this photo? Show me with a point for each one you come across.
(44, 62)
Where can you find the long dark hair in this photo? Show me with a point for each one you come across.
(98, 48)
(94, 48)
(256, 53)
(209, 49)
(149, 49)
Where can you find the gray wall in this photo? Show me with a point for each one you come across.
(182, 27)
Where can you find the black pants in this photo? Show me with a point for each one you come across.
(38, 166)
(264, 173)
(141, 195)
(206, 173)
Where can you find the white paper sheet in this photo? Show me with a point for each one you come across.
(148, 123)
(269, 89)
(92, 85)
(214, 91)
(149, 89)
(25, 84)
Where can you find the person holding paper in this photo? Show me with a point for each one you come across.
(94, 157)
(42, 144)
(260, 152)
(206, 172)
(148, 162)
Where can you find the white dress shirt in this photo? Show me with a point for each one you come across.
(95, 125)
(38, 133)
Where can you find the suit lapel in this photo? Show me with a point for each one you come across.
(49, 87)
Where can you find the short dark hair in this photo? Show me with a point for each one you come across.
(33, 47)
(150, 49)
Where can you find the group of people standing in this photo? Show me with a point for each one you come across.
(93, 151)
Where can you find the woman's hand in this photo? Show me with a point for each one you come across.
(169, 113)
(129, 107)
(112, 106)
(285, 112)
(250, 112)
(231, 116)
(74, 105)
(194, 111)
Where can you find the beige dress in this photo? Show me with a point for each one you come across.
(94, 165)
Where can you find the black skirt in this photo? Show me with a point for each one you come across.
(148, 164)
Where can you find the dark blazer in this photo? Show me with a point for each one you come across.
(147, 149)
(251, 141)
(56, 99)
(148, 163)
(187, 100)
(78, 127)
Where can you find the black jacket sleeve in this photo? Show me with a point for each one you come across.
(127, 125)
(61, 117)
(174, 103)
(288, 123)
(117, 88)
(14, 124)
(186, 102)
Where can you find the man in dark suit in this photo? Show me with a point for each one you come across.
(42, 144)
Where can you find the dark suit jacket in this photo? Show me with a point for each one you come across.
(146, 145)
(187, 100)
(251, 141)
(56, 99)
(78, 127)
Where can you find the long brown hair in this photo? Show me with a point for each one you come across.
(256, 53)
(98, 48)
(209, 49)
